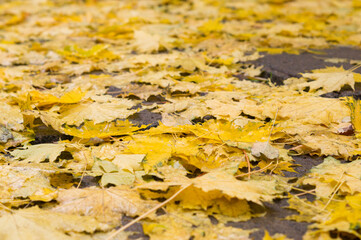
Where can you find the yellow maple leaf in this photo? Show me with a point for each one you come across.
(101, 130)
(205, 155)
(331, 173)
(76, 114)
(43, 99)
(39, 153)
(356, 3)
(11, 116)
(184, 224)
(146, 42)
(129, 162)
(355, 107)
(253, 190)
(211, 26)
(341, 216)
(106, 205)
(74, 52)
(23, 223)
(24, 182)
(329, 79)
(226, 131)
(72, 96)
(158, 150)
(219, 189)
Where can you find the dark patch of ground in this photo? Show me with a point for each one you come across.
(44, 134)
(282, 66)
(203, 119)
(145, 117)
(304, 165)
(113, 91)
(89, 181)
(274, 222)
(343, 52)
(355, 94)
(136, 228)
(156, 99)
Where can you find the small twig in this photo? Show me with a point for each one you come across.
(333, 194)
(311, 206)
(274, 167)
(148, 212)
(273, 124)
(248, 164)
(6, 208)
(306, 192)
(259, 170)
(256, 78)
(81, 179)
(83, 173)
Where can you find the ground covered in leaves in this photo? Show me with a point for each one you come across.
(179, 119)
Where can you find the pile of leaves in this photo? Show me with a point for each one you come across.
(151, 110)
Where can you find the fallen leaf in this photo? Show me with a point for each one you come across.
(96, 112)
(264, 150)
(22, 224)
(31, 153)
(129, 162)
(218, 191)
(102, 130)
(332, 173)
(328, 80)
(25, 182)
(106, 205)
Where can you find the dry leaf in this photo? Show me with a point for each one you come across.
(47, 152)
(328, 80)
(106, 205)
(23, 224)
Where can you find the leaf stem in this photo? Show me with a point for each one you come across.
(148, 212)
(248, 164)
(259, 170)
